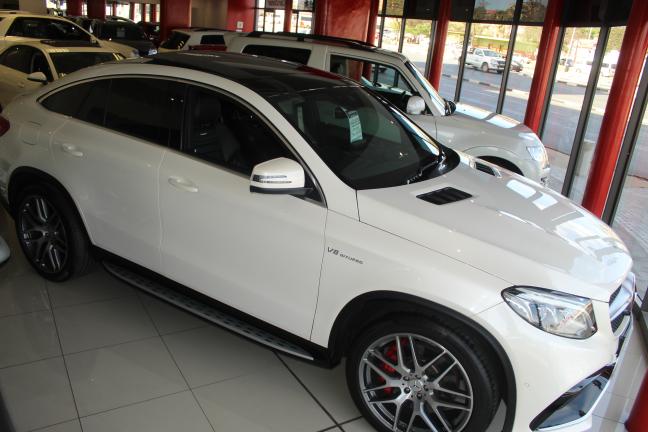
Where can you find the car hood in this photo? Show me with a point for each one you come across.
(510, 227)
(470, 127)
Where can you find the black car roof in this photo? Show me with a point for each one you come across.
(261, 74)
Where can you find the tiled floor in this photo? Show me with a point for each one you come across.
(95, 355)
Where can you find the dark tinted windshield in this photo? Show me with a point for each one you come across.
(121, 31)
(66, 63)
(44, 28)
(176, 41)
(367, 142)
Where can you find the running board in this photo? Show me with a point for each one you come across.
(206, 312)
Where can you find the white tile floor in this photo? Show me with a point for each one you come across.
(95, 355)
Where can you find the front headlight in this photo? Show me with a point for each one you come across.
(552, 311)
(494, 62)
(152, 51)
(538, 153)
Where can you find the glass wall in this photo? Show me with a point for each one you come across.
(451, 55)
(416, 42)
(271, 15)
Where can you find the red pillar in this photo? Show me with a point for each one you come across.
(143, 12)
(97, 9)
(342, 18)
(114, 8)
(546, 53)
(153, 13)
(440, 35)
(371, 26)
(619, 105)
(287, 16)
(174, 14)
(241, 11)
(75, 7)
(638, 420)
(131, 10)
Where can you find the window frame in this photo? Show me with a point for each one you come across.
(31, 51)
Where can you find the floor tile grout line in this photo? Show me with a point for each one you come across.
(56, 424)
(90, 302)
(174, 361)
(132, 404)
(110, 345)
(67, 371)
(13, 315)
(30, 362)
(306, 388)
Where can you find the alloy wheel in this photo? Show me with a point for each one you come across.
(42, 234)
(412, 384)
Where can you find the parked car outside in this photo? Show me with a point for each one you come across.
(486, 60)
(495, 138)
(125, 33)
(151, 30)
(18, 27)
(26, 66)
(322, 214)
(516, 66)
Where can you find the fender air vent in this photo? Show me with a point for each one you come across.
(444, 196)
(487, 169)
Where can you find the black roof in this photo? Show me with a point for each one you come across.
(261, 74)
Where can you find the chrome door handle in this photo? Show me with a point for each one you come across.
(71, 149)
(183, 184)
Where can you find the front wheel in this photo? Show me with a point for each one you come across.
(415, 376)
(51, 234)
(484, 67)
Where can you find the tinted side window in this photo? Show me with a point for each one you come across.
(212, 40)
(18, 58)
(145, 108)
(43, 28)
(93, 107)
(177, 40)
(381, 78)
(222, 131)
(69, 100)
(297, 55)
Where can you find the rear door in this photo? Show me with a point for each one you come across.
(108, 155)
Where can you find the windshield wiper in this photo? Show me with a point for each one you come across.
(423, 168)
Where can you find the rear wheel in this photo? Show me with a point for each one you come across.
(415, 376)
(51, 234)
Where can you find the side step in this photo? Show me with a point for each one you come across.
(205, 311)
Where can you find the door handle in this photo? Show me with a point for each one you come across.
(183, 184)
(71, 149)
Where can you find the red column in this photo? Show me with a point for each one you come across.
(440, 35)
(371, 26)
(97, 9)
(174, 14)
(131, 10)
(153, 13)
(287, 16)
(546, 53)
(241, 11)
(114, 8)
(638, 420)
(143, 12)
(75, 7)
(619, 105)
(342, 18)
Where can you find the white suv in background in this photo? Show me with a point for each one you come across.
(191, 38)
(325, 224)
(492, 137)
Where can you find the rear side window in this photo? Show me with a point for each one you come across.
(70, 100)
(297, 55)
(17, 58)
(212, 40)
(150, 109)
(43, 28)
(176, 41)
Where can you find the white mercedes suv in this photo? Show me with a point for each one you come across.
(301, 210)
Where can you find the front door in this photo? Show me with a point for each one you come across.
(260, 254)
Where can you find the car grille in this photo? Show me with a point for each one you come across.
(621, 302)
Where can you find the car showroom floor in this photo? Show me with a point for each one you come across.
(95, 354)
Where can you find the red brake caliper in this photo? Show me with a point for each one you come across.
(390, 354)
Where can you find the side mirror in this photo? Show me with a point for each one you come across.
(279, 176)
(453, 106)
(415, 105)
(38, 77)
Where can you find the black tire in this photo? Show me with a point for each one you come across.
(460, 344)
(61, 240)
(484, 67)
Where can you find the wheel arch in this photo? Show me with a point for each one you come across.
(504, 163)
(366, 309)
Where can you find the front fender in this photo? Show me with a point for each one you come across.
(528, 167)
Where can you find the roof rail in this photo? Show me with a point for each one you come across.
(302, 37)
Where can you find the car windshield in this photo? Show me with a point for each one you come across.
(122, 32)
(68, 62)
(489, 53)
(363, 139)
(437, 100)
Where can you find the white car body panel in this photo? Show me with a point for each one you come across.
(467, 128)
(459, 255)
(5, 253)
